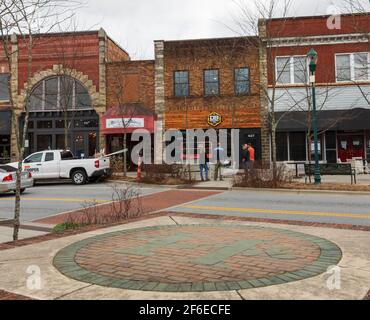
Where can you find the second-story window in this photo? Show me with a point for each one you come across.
(4, 87)
(181, 84)
(241, 81)
(352, 67)
(291, 70)
(211, 82)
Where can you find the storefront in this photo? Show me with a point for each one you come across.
(343, 136)
(5, 129)
(125, 119)
(78, 132)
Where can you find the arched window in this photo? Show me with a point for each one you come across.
(61, 93)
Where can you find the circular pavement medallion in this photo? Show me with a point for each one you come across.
(194, 258)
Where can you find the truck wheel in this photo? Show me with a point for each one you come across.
(79, 177)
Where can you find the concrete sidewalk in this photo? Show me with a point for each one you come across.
(354, 272)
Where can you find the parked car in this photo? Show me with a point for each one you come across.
(8, 179)
(61, 164)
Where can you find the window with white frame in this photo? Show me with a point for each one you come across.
(291, 70)
(353, 66)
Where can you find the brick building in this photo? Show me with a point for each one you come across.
(198, 79)
(342, 81)
(67, 91)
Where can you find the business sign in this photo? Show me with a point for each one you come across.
(124, 123)
(214, 119)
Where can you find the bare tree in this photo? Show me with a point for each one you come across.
(24, 19)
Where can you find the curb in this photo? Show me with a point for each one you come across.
(304, 191)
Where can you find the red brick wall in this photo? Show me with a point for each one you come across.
(130, 81)
(115, 53)
(196, 56)
(312, 26)
(78, 51)
(317, 26)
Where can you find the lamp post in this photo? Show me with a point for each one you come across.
(312, 56)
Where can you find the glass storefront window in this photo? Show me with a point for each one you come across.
(45, 124)
(297, 146)
(282, 146)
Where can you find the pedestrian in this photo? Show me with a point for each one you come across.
(203, 164)
(251, 153)
(245, 156)
(220, 156)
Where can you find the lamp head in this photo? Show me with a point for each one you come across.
(313, 57)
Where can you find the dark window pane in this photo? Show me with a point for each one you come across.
(331, 140)
(241, 81)
(66, 93)
(181, 83)
(297, 146)
(211, 82)
(37, 99)
(66, 155)
(281, 146)
(4, 87)
(83, 100)
(59, 124)
(49, 157)
(45, 124)
(51, 94)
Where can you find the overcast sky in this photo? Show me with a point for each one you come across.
(135, 24)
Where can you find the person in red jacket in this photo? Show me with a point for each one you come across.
(252, 158)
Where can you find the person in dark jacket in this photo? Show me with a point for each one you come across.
(220, 156)
(245, 157)
(203, 164)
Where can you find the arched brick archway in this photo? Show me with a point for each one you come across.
(60, 70)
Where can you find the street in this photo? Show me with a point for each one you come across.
(48, 200)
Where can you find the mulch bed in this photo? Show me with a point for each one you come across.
(327, 186)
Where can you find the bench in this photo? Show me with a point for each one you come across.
(332, 169)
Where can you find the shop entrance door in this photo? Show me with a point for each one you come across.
(350, 146)
(85, 144)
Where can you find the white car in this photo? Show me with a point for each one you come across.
(8, 177)
(61, 164)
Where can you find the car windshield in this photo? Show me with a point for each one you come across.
(6, 169)
(66, 155)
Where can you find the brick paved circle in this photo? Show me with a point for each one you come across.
(196, 258)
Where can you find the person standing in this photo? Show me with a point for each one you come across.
(220, 156)
(245, 156)
(251, 153)
(203, 164)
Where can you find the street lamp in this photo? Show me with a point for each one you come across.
(313, 57)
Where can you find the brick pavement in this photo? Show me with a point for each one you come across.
(197, 258)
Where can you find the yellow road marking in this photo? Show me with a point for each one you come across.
(57, 199)
(287, 212)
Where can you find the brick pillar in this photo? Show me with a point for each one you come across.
(101, 108)
(17, 104)
(159, 101)
(265, 130)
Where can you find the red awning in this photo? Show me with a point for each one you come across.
(128, 118)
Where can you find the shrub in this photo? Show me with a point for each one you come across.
(66, 226)
(162, 173)
(263, 178)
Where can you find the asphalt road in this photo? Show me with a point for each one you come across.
(50, 199)
(325, 208)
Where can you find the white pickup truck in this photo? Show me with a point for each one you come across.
(61, 164)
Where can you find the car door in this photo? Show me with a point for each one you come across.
(50, 166)
(33, 164)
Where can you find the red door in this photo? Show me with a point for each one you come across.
(350, 147)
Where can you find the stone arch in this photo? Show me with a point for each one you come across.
(59, 70)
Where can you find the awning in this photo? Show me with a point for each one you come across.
(127, 118)
(341, 120)
(5, 122)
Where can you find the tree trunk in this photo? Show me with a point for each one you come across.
(125, 155)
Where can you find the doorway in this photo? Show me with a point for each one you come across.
(351, 146)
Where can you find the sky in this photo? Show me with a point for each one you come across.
(136, 24)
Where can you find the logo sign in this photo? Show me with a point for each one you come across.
(125, 123)
(214, 119)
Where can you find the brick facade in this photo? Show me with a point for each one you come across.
(130, 82)
(224, 55)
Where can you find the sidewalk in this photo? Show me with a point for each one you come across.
(259, 272)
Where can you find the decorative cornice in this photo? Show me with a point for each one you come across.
(317, 40)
